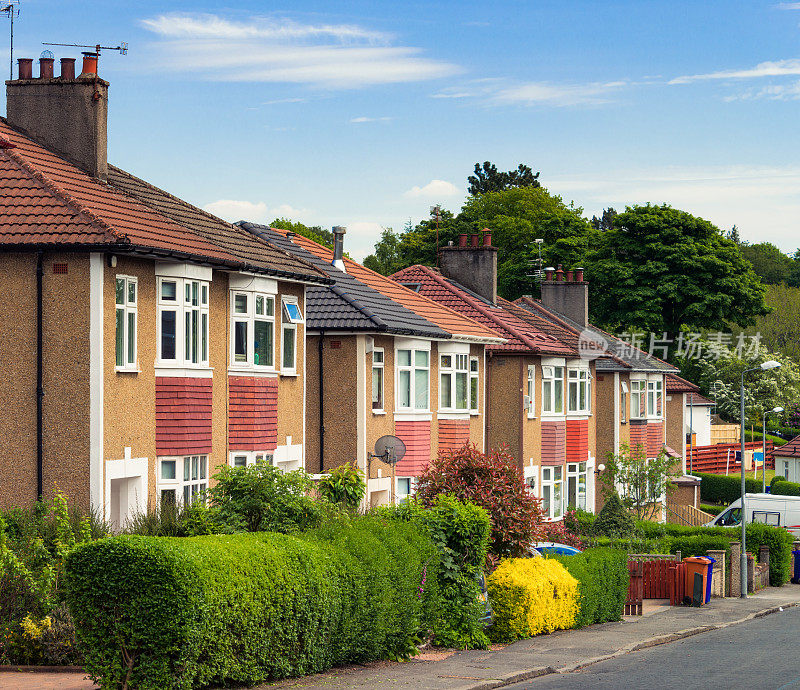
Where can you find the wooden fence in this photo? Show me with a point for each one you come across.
(720, 458)
(676, 578)
(633, 604)
(687, 515)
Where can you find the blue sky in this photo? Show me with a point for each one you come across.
(366, 113)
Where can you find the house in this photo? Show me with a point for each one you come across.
(541, 398)
(146, 342)
(629, 383)
(684, 402)
(384, 360)
(787, 460)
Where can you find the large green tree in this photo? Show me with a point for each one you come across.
(314, 232)
(769, 262)
(487, 178)
(660, 268)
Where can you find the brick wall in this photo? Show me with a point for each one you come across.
(453, 433)
(577, 440)
(252, 413)
(183, 415)
(554, 443)
(416, 435)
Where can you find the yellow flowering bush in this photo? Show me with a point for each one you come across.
(531, 596)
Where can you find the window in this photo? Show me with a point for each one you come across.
(126, 294)
(404, 488)
(183, 321)
(638, 394)
(623, 402)
(552, 485)
(252, 329)
(531, 484)
(454, 382)
(377, 379)
(413, 375)
(553, 390)
(767, 518)
(291, 317)
(655, 395)
(576, 485)
(729, 518)
(183, 479)
(530, 397)
(474, 370)
(579, 391)
(246, 457)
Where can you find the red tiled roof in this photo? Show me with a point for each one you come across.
(788, 450)
(675, 384)
(443, 316)
(521, 336)
(47, 200)
(697, 400)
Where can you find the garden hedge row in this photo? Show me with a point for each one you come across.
(163, 612)
(784, 488)
(602, 576)
(717, 488)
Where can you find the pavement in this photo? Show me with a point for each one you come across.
(561, 652)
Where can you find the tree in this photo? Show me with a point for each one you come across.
(769, 262)
(606, 221)
(733, 235)
(489, 179)
(780, 328)
(386, 259)
(315, 232)
(660, 268)
(642, 481)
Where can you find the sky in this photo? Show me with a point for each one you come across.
(367, 113)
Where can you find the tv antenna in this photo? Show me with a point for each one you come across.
(11, 10)
(436, 214)
(122, 48)
(538, 273)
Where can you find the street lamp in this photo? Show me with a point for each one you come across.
(764, 452)
(766, 366)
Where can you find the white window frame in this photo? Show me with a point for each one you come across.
(581, 379)
(577, 471)
(289, 323)
(655, 394)
(183, 309)
(196, 484)
(453, 365)
(474, 384)
(130, 361)
(623, 402)
(638, 398)
(251, 457)
(552, 404)
(401, 497)
(378, 366)
(249, 317)
(553, 492)
(411, 369)
(530, 397)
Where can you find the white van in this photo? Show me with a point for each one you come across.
(781, 511)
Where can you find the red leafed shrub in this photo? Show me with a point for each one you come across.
(557, 532)
(493, 481)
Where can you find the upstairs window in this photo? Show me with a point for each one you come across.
(291, 317)
(623, 402)
(377, 379)
(638, 399)
(579, 393)
(655, 398)
(183, 321)
(413, 379)
(474, 372)
(552, 390)
(252, 330)
(530, 397)
(454, 382)
(126, 298)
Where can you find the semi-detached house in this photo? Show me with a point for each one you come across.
(384, 360)
(145, 342)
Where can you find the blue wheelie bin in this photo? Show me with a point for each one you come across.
(708, 579)
(796, 573)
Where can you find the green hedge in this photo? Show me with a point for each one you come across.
(242, 609)
(717, 488)
(784, 488)
(780, 550)
(711, 509)
(602, 576)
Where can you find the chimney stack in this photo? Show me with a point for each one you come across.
(474, 266)
(338, 247)
(65, 114)
(568, 297)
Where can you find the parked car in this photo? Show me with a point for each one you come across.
(780, 511)
(553, 547)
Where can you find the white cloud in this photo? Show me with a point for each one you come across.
(788, 6)
(502, 92)
(359, 120)
(434, 189)
(774, 92)
(775, 68)
(334, 56)
(234, 209)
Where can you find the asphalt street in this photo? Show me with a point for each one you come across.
(761, 653)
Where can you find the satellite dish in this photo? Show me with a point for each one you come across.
(390, 449)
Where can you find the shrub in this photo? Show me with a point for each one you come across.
(775, 479)
(558, 532)
(718, 488)
(580, 522)
(263, 498)
(241, 609)
(170, 520)
(784, 488)
(344, 485)
(614, 520)
(531, 596)
(780, 543)
(49, 641)
(494, 482)
(631, 544)
(712, 510)
(602, 576)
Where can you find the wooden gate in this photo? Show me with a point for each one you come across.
(633, 605)
(656, 579)
(677, 583)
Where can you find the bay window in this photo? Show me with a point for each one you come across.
(290, 318)
(553, 389)
(638, 399)
(655, 395)
(246, 458)
(579, 392)
(552, 491)
(530, 397)
(377, 379)
(183, 321)
(126, 299)
(454, 382)
(252, 330)
(182, 479)
(413, 378)
(474, 369)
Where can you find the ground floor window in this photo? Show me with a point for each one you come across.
(404, 488)
(552, 492)
(576, 485)
(182, 479)
(249, 457)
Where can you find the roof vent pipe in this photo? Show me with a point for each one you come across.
(46, 68)
(68, 68)
(25, 68)
(338, 246)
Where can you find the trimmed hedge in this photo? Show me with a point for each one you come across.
(163, 612)
(717, 488)
(784, 488)
(712, 510)
(602, 576)
(780, 543)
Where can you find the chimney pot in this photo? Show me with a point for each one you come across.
(487, 237)
(462, 240)
(559, 274)
(25, 68)
(474, 241)
(578, 275)
(46, 68)
(548, 273)
(569, 275)
(68, 68)
(89, 64)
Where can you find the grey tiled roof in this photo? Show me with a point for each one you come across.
(349, 304)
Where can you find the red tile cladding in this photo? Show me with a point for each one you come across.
(252, 413)
(577, 440)
(554, 447)
(655, 438)
(417, 437)
(638, 433)
(183, 415)
(453, 433)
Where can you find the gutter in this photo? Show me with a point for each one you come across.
(39, 376)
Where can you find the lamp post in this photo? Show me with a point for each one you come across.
(764, 451)
(766, 366)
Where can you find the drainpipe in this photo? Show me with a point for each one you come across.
(321, 406)
(39, 386)
(487, 399)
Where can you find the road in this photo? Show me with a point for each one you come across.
(761, 653)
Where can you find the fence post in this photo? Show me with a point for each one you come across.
(736, 583)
